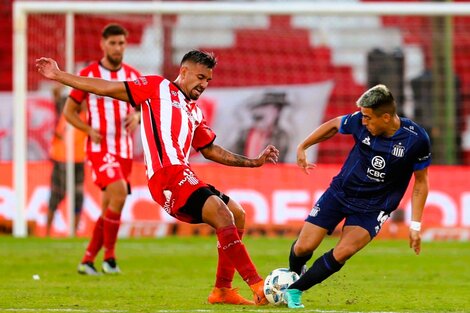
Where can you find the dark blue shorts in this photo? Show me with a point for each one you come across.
(328, 212)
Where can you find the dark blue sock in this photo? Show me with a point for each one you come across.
(296, 262)
(322, 268)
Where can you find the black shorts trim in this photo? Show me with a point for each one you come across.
(196, 201)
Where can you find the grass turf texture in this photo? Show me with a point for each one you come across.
(176, 275)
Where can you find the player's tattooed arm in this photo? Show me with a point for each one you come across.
(221, 155)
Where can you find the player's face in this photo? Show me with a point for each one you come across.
(195, 78)
(375, 124)
(113, 48)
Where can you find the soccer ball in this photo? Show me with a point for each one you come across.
(276, 283)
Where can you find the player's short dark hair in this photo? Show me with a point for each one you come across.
(379, 98)
(200, 57)
(113, 30)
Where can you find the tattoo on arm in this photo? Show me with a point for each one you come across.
(222, 156)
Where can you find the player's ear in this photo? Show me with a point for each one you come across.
(183, 71)
(387, 117)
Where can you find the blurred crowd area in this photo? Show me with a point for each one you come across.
(413, 55)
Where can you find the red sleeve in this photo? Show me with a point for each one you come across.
(203, 136)
(143, 88)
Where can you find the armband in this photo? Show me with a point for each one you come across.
(415, 226)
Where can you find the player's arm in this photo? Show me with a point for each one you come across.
(132, 120)
(322, 133)
(220, 155)
(114, 89)
(418, 199)
(71, 113)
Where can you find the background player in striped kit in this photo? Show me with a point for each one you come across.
(110, 126)
(172, 123)
(388, 150)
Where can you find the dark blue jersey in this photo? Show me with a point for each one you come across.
(378, 169)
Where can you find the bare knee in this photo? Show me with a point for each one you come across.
(216, 213)
(117, 194)
(303, 248)
(238, 213)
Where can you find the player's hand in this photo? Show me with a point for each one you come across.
(95, 135)
(47, 67)
(270, 154)
(131, 121)
(415, 241)
(302, 161)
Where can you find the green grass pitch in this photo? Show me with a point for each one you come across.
(175, 275)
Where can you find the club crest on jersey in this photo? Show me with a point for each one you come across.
(188, 177)
(398, 150)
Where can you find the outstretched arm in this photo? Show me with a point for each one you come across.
(49, 69)
(220, 155)
(322, 133)
(418, 200)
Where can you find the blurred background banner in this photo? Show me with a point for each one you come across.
(276, 198)
(283, 68)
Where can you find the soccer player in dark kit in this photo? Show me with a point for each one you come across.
(388, 150)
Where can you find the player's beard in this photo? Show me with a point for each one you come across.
(195, 96)
(115, 61)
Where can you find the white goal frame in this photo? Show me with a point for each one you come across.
(21, 9)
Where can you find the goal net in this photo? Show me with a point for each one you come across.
(291, 64)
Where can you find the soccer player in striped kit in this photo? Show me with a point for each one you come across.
(109, 147)
(388, 150)
(172, 123)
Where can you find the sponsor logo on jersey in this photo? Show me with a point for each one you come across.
(398, 150)
(424, 158)
(144, 80)
(188, 177)
(169, 202)
(378, 162)
(109, 164)
(374, 173)
(366, 141)
(176, 104)
(411, 129)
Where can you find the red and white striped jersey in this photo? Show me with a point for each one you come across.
(170, 125)
(107, 114)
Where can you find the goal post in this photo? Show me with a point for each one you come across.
(307, 9)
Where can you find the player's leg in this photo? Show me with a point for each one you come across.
(57, 192)
(109, 175)
(302, 249)
(322, 220)
(353, 239)
(79, 197)
(116, 192)
(86, 266)
(223, 291)
(216, 213)
(225, 267)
